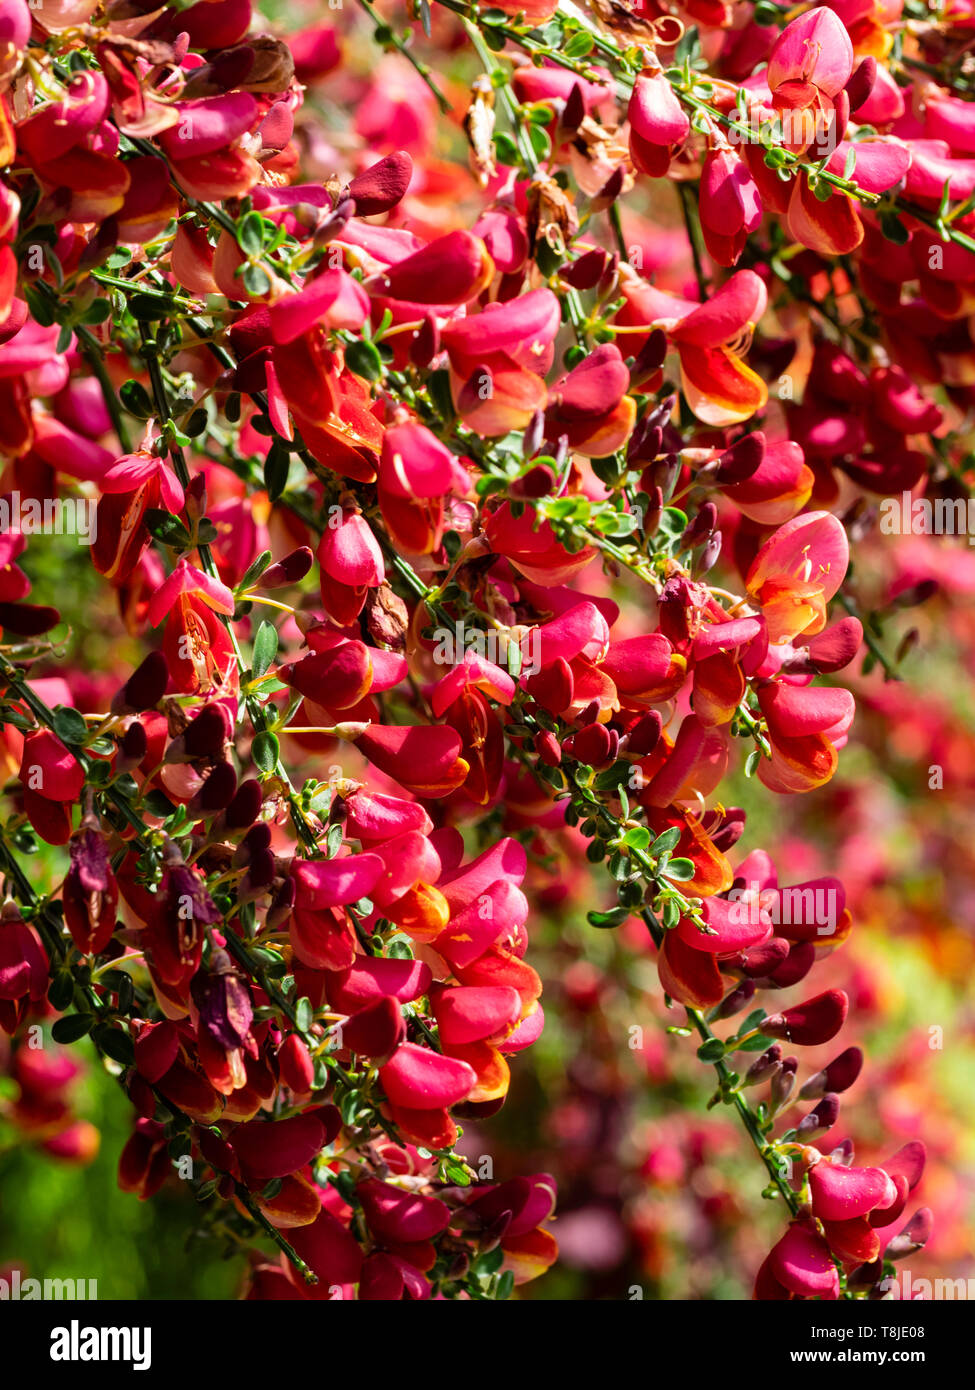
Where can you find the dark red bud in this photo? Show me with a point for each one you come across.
(645, 734)
(246, 805)
(839, 1075)
(218, 790)
(145, 687)
(383, 185)
(700, 528)
(742, 459)
(585, 272)
(648, 360)
(764, 1066)
(425, 343)
(537, 482)
(28, 619)
(861, 83)
(548, 748)
(134, 745)
(737, 1000)
(914, 1236)
(814, 1021)
(291, 570)
(783, 1082)
(821, 1118)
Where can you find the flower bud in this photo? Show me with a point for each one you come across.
(821, 1118)
(291, 570)
(737, 1000)
(913, 1237)
(764, 1066)
(245, 807)
(783, 1083)
(814, 1021)
(838, 1075)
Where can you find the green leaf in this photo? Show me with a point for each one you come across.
(150, 307)
(679, 869)
(256, 281)
(265, 648)
(136, 399)
(540, 142)
(637, 838)
(72, 1027)
(165, 527)
(61, 990)
(265, 751)
(250, 234)
(115, 1043)
(69, 725)
(304, 1014)
(505, 149)
(254, 571)
(156, 803)
(666, 842)
(363, 359)
(196, 423)
(277, 465)
(579, 45)
(711, 1051)
(605, 920)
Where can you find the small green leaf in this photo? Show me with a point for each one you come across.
(579, 45)
(679, 869)
(363, 359)
(605, 920)
(254, 571)
(115, 1043)
(265, 751)
(165, 527)
(276, 468)
(61, 991)
(637, 838)
(72, 1027)
(265, 648)
(256, 281)
(711, 1051)
(250, 234)
(666, 842)
(69, 725)
(136, 399)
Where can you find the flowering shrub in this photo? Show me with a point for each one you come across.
(412, 472)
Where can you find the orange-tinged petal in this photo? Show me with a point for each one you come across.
(529, 1255)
